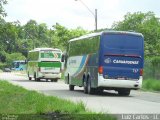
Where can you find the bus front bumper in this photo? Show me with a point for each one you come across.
(115, 83)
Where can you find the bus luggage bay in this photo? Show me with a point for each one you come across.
(111, 60)
(44, 63)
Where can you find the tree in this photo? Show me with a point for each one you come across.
(44, 36)
(62, 35)
(2, 12)
(31, 31)
(2, 22)
(12, 57)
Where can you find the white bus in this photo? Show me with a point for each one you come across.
(44, 63)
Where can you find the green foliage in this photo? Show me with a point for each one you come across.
(155, 61)
(12, 57)
(151, 84)
(16, 38)
(152, 67)
(2, 56)
(2, 65)
(17, 100)
(62, 35)
(2, 12)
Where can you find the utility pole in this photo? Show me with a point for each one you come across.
(93, 13)
(95, 19)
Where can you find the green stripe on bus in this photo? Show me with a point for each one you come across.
(49, 64)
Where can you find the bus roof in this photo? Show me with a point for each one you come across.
(43, 49)
(86, 36)
(105, 32)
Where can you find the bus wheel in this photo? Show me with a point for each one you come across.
(54, 80)
(29, 77)
(85, 87)
(124, 92)
(71, 87)
(89, 89)
(35, 78)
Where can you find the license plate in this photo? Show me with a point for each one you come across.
(48, 68)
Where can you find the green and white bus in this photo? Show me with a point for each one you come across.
(44, 63)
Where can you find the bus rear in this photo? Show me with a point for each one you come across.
(44, 63)
(121, 61)
(50, 64)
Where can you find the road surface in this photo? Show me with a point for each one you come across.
(108, 102)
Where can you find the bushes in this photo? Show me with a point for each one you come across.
(2, 65)
(152, 67)
(151, 84)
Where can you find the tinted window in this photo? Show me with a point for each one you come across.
(85, 46)
(122, 43)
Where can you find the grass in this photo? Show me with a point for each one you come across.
(17, 100)
(151, 85)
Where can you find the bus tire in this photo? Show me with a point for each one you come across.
(54, 80)
(35, 78)
(85, 87)
(68, 79)
(29, 77)
(71, 87)
(124, 92)
(90, 90)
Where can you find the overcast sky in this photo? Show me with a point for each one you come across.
(71, 13)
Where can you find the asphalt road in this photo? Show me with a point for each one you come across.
(108, 102)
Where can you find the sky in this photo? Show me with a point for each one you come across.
(73, 14)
